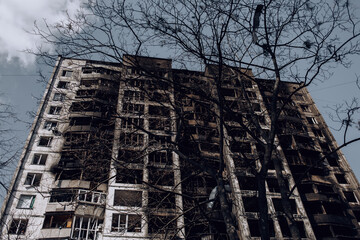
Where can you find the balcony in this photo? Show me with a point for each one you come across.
(331, 219)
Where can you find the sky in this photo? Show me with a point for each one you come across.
(19, 79)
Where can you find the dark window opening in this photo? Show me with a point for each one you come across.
(54, 110)
(341, 178)
(125, 223)
(128, 198)
(161, 200)
(161, 177)
(132, 176)
(159, 111)
(251, 204)
(240, 147)
(254, 226)
(159, 124)
(33, 179)
(45, 141)
(279, 206)
(58, 221)
(18, 226)
(160, 158)
(162, 224)
(247, 183)
(132, 139)
(62, 195)
(133, 108)
(66, 73)
(350, 197)
(63, 85)
(129, 156)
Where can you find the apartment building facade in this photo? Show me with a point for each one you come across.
(121, 151)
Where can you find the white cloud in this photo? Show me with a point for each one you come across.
(17, 18)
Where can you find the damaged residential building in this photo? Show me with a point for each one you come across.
(123, 151)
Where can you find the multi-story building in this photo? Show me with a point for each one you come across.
(126, 151)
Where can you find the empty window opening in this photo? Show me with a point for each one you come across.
(130, 156)
(273, 184)
(161, 200)
(33, 179)
(54, 110)
(39, 159)
(350, 196)
(161, 177)
(26, 202)
(240, 147)
(279, 206)
(247, 183)
(318, 133)
(59, 97)
(18, 226)
(125, 223)
(45, 141)
(357, 214)
(251, 204)
(86, 228)
(128, 198)
(324, 188)
(50, 125)
(132, 176)
(62, 195)
(159, 111)
(58, 221)
(305, 108)
(62, 84)
(332, 160)
(159, 124)
(254, 226)
(66, 73)
(162, 224)
(162, 140)
(341, 178)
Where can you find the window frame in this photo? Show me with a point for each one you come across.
(42, 138)
(35, 179)
(59, 97)
(29, 204)
(39, 159)
(124, 227)
(18, 223)
(55, 110)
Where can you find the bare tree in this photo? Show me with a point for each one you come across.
(296, 41)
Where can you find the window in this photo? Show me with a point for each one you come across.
(318, 133)
(33, 179)
(341, 178)
(159, 124)
(312, 120)
(91, 196)
(58, 221)
(55, 110)
(132, 139)
(160, 158)
(128, 198)
(162, 177)
(26, 202)
(18, 226)
(132, 123)
(66, 73)
(50, 125)
(251, 95)
(126, 223)
(45, 141)
(39, 159)
(305, 108)
(133, 108)
(86, 228)
(133, 95)
(63, 85)
(126, 175)
(161, 200)
(59, 97)
(350, 197)
(62, 195)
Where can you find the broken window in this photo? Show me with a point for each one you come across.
(305, 108)
(332, 160)
(254, 226)
(18, 226)
(279, 206)
(273, 184)
(357, 214)
(133, 96)
(350, 197)
(130, 156)
(54, 110)
(126, 175)
(125, 223)
(251, 95)
(209, 147)
(66, 73)
(80, 121)
(26, 201)
(62, 84)
(133, 108)
(247, 183)
(89, 82)
(161, 177)
(86, 228)
(160, 158)
(226, 92)
(91, 196)
(311, 120)
(132, 139)
(159, 124)
(240, 147)
(132, 123)
(161, 200)
(59, 97)
(162, 224)
(39, 159)
(162, 140)
(318, 133)
(128, 198)
(341, 178)
(286, 230)
(251, 204)
(159, 111)
(58, 221)
(62, 195)
(33, 179)
(50, 125)
(45, 141)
